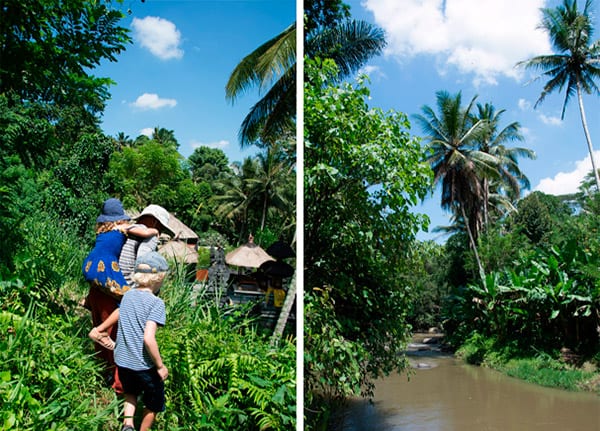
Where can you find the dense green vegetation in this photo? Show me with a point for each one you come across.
(541, 290)
(56, 168)
(537, 291)
(516, 285)
(224, 374)
(359, 188)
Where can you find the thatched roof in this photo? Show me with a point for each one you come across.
(179, 251)
(182, 232)
(249, 255)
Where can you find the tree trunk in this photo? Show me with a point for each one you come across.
(284, 314)
(264, 213)
(486, 198)
(473, 245)
(587, 136)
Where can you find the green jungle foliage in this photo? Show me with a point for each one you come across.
(363, 173)
(542, 288)
(224, 373)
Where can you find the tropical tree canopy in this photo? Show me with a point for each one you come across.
(505, 189)
(363, 173)
(329, 33)
(576, 65)
(48, 48)
(208, 164)
(272, 69)
(468, 155)
(457, 163)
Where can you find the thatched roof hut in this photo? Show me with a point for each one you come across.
(183, 246)
(182, 232)
(180, 251)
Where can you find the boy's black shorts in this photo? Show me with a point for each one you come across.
(145, 382)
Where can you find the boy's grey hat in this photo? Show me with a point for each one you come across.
(151, 262)
(160, 214)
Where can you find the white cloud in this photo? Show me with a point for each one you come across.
(567, 182)
(159, 36)
(485, 38)
(524, 105)
(151, 101)
(372, 71)
(147, 131)
(550, 121)
(218, 144)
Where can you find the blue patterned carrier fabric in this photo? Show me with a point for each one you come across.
(101, 266)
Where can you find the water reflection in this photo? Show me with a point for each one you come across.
(452, 396)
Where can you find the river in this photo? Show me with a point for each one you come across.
(444, 394)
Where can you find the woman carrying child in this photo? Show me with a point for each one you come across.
(107, 283)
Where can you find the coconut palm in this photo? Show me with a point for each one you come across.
(350, 43)
(456, 161)
(234, 198)
(272, 68)
(506, 188)
(122, 141)
(165, 137)
(576, 65)
(273, 184)
(262, 186)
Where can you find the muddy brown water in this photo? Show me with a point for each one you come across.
(444, 394)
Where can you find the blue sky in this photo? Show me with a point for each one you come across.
(472, 46)
(173, 76)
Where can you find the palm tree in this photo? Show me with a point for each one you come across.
(510, 179)
(263, 186)
(272, 68)
(284, 314)
(165, 137)
(272, 184)
(122, 140)
(233, 199)
(456, 162)
(349, 43)
(576, 65)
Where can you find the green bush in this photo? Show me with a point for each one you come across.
(475, 349)
(224, 374)
(224, 377)
(48, 378)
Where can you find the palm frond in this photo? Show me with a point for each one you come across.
(263, 65)
(350, 44)
(272, 115)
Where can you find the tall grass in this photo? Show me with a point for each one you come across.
(224, 375)
(48, 378)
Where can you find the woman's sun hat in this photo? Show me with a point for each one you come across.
(160, 214)
(112, 210)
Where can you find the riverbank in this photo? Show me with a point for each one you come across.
(443, 392)
(561, 371)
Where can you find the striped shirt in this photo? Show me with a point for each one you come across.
(128, 254)
(137, 307)
(133, 248)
